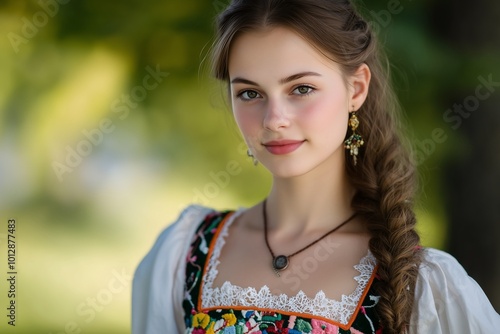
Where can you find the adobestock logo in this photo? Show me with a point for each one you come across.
(31, 28)
(383, 18)
(220, 5)
(219, 180)
(300, 271)
(120, 106)
(455, 117)
(93, 305)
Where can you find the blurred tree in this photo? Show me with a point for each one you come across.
(66, 77)
(472, 178)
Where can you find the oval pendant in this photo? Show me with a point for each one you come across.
(280, 262)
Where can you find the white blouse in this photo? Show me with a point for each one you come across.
(447, 300)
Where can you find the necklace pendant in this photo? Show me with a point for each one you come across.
(280, 262)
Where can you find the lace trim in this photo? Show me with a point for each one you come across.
(320, 305)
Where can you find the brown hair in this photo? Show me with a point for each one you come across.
(385, 176)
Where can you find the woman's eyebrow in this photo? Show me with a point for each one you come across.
(282, 81)
(243, 81)
(298, 76)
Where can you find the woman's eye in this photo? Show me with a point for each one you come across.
(303, 90)
(248, 95)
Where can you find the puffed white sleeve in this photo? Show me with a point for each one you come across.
(447, 300)
(158, 285)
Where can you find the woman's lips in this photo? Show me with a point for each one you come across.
(280, 147)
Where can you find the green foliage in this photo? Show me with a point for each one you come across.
(68, 74)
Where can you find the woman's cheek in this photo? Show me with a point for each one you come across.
(315, 111)
(324, 117)
(247, 120)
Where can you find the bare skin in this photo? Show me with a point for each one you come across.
(282, 88)
(326, 266)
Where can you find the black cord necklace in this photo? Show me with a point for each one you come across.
(281, 262)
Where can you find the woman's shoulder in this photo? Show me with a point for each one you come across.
(439, 264)
(176, 232)
(158, 279)
(187, 223)
(442, 275)
(188, 219)
(448, 300)
(192, 215)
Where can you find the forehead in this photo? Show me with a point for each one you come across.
(276, 52)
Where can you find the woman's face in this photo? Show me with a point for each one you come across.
(290, 102)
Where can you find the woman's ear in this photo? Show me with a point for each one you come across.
(359, 83)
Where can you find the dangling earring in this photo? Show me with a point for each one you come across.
(254, 160)
(355, 141)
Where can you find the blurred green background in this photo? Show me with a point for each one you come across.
(109, 126)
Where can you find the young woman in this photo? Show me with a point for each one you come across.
(333, 247)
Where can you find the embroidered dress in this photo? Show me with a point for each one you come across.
(233, 309)
(447, 300)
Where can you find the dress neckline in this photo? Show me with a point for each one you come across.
(231, 295)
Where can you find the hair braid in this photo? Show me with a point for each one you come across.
(384, 176)
(386, 183)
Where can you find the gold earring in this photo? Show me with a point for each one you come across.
(355, 141)
(254, 160)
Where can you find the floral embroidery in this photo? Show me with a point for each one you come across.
(201, 320)
(230, 318)
(227, 320)
(321, 327)
(304, 326)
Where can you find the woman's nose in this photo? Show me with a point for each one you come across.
(276, 115)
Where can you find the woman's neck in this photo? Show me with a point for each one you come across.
(310, 202)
